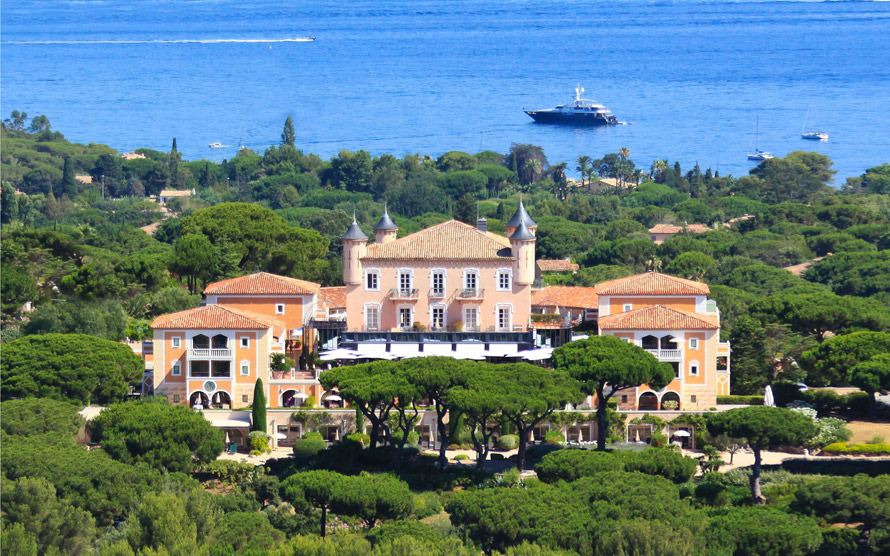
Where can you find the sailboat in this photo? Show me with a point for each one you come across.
(811, 135)
(759, 154)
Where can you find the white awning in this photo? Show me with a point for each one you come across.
(339, 353)
(537, 354)
(229, 423)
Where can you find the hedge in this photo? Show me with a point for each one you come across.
(570, 465)
(740, 400)
(844, 448)
(835, 467)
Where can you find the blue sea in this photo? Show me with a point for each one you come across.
(692, 78)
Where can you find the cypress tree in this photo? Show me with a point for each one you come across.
(69, 183)
(259, 406)
(288, 135)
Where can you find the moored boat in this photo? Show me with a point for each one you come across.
(582, 111)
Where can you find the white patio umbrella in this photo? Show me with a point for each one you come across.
(769, 399)
(227, 438)
(301, 395)
(334, 398)
(279, 436)
(681, 433)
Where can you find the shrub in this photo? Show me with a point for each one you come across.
(426, 504)
(712, 493)
(844, 448)
(570, 465)
(554, 437)
(309, 447)
(259, 442)
(507, 442)
(496, 457)
(666, 463)
(834, 467)
(740, 400)
(461, 457)
(313, 436)
(361, 438)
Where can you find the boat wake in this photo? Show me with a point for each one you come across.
(168, 41)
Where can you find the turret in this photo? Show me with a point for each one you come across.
(521, 215)
(385, 230)
(522, 246)
(355, 243)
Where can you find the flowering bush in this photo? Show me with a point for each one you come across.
(829, 430)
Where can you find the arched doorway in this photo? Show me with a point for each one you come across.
(648, 402)
(221, 400)
(668, 342)
(293, 398)
(199, 400)
(220, 341)
(332, 400)
(670, 401)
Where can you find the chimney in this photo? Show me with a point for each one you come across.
(482, 224)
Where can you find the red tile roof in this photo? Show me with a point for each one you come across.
(674, 229)
(652, 283)
(262, 283)
(658, 317)
(565, 296)
(559, 265)
(332, 298)
(449, 240)
(217, 317)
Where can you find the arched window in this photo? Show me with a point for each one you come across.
(650, 342)
(668, 342)
(220, 341)
(648, 402)
(201, 342)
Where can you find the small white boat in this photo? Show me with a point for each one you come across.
(216, 145)
(811, 135)
(759, 154)
(815, 136)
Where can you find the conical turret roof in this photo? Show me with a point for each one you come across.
(521, 215)
(386, 222)
(522, 232)
(354, 232)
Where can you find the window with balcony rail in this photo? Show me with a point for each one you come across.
(199, 369)
(220, 369)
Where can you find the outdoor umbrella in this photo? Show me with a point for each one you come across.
(681, 433)
(768, 398)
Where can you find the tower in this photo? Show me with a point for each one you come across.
(521, 215)
(355, 243)
(385, 229)
(522, 245)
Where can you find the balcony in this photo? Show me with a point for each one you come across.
(212, 353)
(403, 295)
(667, 354)
(437, 294)
(470, 294)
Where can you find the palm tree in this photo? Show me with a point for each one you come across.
(532, 169)
(558, 171)
(659, 168)
(583, 166)
(624, 153)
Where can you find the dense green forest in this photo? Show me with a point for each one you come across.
(73, 249)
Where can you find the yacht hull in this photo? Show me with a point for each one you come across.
(552, 117)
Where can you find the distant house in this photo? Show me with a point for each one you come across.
(132, 155)
(662, 232)
(556, 266)
(574, 303)
(84, 178)
(166, 194)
